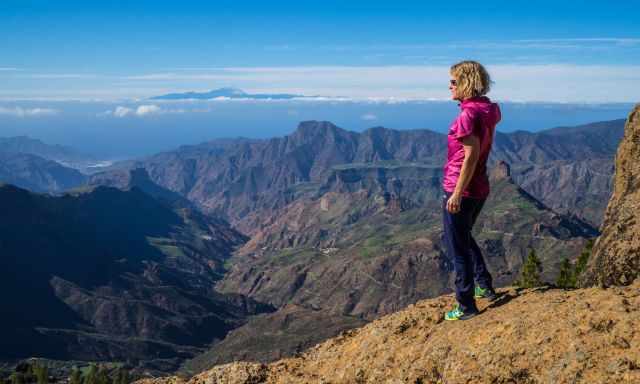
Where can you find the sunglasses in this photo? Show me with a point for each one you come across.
(453, 82)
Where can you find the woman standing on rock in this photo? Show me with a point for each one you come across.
(466, 184)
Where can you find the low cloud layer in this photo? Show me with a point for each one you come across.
(564, 83)
(27, 112)
(145, 110)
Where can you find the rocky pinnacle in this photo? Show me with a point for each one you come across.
(616, 254)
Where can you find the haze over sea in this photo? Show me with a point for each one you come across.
(152, 126)
(82, 74)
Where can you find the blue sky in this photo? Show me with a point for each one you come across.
(537, 51)
(80, 72)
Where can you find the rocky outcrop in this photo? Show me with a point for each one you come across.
(501, 171)
(527, 336)
(616, 254)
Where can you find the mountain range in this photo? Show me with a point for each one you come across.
(322, 226)
(108, 274)
(568, 169)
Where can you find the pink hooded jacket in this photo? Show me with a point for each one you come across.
(479, 117)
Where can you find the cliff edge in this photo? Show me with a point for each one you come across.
(527, 336)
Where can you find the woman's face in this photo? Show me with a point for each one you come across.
(453, 87)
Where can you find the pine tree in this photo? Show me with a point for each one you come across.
(90, 377)
(531, 270)
(41, 373)
(122, 376)
(570, 274)
(17, 378)
(581, 264)
(76, 376)
(103, 377)
(567, 277)
(125, 378)
(29, 376)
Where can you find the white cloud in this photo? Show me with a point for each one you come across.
(122, 111)
(612, 40)
(59, 76)
(27, 112)
(9, 69)
(144, 110)
(147, 110)
(369, 117)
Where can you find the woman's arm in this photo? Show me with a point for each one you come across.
(471, 145)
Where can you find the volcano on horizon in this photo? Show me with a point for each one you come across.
(227, 92)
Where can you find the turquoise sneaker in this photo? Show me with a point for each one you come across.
(457, 314)
(481, 293)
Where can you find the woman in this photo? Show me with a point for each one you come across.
(466, 185)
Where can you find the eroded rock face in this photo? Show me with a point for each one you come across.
(616, 253)
(363, 257)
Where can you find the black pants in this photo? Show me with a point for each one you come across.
(463, 250)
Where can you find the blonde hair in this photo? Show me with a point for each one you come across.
(471, 79)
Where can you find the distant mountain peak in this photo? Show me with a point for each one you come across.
(231, 90)
(316, 124)
(318, 129)
(225, 92)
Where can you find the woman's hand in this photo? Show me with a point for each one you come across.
(453, 204)
(471, 145)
